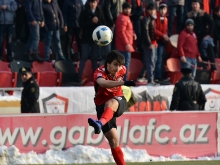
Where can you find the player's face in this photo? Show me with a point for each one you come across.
(113, 67)
(25, 76)
(163, 11)
(190, 27)
(151, 12)
(195, 6)
(127, 11)
(93, 5)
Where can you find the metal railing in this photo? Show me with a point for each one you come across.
(3, 90)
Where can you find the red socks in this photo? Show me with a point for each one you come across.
(107, 115)
(118, 156)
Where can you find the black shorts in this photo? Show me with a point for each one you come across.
(122, 105)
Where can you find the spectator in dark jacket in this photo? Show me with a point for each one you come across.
(175, 7)
(149, 45)
(187, 94)
(53, 22)
(71, 13)
(90, 18)
(35, 18)
(217, 31)
(188, 47)
(7, 13)
(30, 93)
(111, 10)
(204, 28)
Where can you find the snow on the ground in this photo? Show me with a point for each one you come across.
(81, 155)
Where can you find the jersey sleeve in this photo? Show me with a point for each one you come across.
(99, 74)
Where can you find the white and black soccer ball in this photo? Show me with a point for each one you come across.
(102, 35)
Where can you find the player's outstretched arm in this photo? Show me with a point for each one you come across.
(109, 83)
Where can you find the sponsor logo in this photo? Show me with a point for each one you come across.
(55, 104)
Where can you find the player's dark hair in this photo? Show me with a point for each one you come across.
(114, 55)
(151, 6)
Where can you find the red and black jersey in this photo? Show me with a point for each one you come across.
(104, 94)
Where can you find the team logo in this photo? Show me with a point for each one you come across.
(55, 104)
(213, 100)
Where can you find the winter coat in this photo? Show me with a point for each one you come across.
(187, 44)
(161, 26)
(217, 28)
(86, 24)
(111, 10)
(148, 31)
(34, 11)
(52, 16)
(71, 12)
(29, 97)
(204, 24)
(176, 2)
(124, 33)
(7, 15)
(137, 9)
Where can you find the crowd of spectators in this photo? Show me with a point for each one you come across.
(138, 25)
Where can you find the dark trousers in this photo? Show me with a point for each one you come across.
(148, 59)
(179, 11)
(21, 25)
(6, 30)
(89, 51)
(71, 32)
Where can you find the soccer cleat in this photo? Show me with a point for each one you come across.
(97, 125)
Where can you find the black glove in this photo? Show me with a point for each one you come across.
(129, 83)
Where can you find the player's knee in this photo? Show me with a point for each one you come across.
(113, 104)
(113, 143)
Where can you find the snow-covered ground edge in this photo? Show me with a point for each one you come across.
(81, 155)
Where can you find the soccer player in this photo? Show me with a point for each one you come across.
(109, 100)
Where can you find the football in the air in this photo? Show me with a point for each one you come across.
(102, 35)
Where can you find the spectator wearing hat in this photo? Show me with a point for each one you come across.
(35, 19)
(204, 28)
(125, 35)
(7, 12)
(149, 45)
(188, 47)
(162, 38)
(53, 23)
(187, 94)
(175, 7)
(30, 92)
(90, 18)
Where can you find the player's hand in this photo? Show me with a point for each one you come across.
(128, 47)
(166, 38)
(183, 59)
(200, 59)
(129, 83)
(34, 23)
(95, 19)
(42, 24)
(65, 29)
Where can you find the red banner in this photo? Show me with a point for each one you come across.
(190, 134)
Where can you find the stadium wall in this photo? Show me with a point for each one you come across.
(192, 134)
